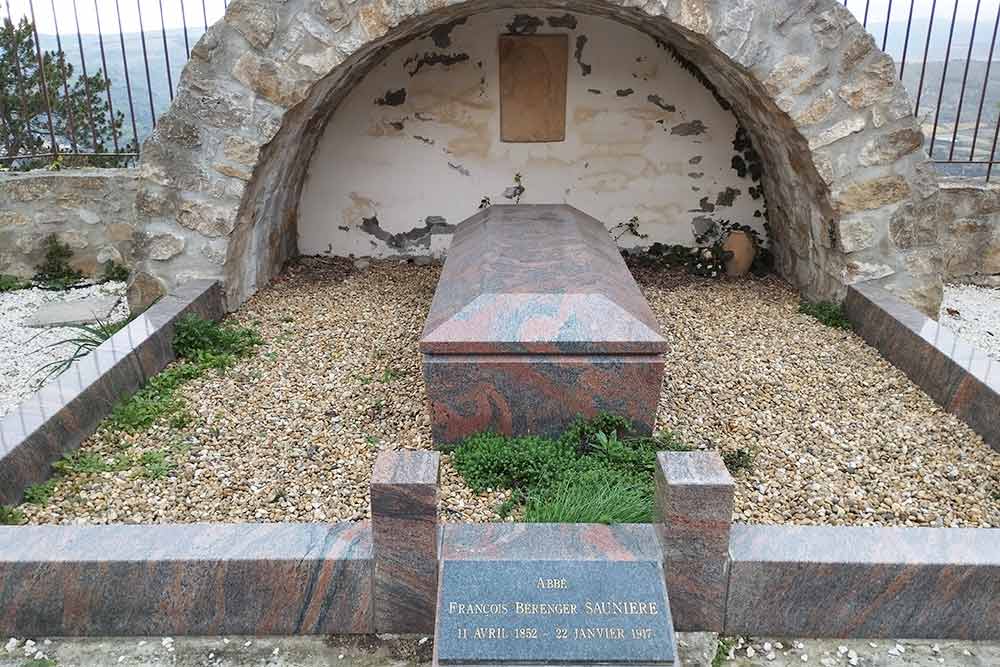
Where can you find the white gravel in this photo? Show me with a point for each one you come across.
(973, 313)
(23, 349)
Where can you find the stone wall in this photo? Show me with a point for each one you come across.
(969, 233)
(851, 195)
(91, 210)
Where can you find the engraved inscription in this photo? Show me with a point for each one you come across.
(508, 612)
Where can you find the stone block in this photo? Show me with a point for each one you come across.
(67, 313)
(536, 320)
(193, 579)
(549, 541)
(859, 582)
(694, 498)
(537, 394)
(404, 499)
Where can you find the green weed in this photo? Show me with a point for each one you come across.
(41, 493)
(830, 314)
(737, 460)
(10, 516)
(10, 283)
(86, 338)
(726, 644)
(156, 464)
(199, 339)
(55, 271)
(115, 272)
(81, 462)
(391, 374)
(202, 345)
(598, 471)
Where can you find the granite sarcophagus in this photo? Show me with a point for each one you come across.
(536, 320)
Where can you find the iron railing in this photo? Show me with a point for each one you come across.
(56, 106)
(949, 46)
(123, 58)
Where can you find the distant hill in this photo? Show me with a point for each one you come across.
(929, 93)
(141, 86)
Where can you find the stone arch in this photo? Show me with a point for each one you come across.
(851, 195)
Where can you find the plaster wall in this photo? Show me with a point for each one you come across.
(415, 146)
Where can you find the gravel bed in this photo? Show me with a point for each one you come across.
(838, 435)
(23, 349)
(973, 313)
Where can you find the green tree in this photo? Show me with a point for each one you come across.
(79, 107)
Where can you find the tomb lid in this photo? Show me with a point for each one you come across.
(537, 279)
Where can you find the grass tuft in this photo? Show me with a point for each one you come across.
(598, 471)
(10, 516)
(10, 283)
(737, 460)
(85, 340)
(830, 314)
(41, 493)
(156, 464)
(594, 495)
(202, 345)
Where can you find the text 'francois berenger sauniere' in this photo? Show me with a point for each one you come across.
(596, 609)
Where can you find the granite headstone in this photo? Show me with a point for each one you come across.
(553, 612)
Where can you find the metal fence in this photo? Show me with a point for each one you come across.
(83, 81)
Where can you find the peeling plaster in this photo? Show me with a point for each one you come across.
(658, 101)
(565, 21)
(585, 69)
(524, 24)
(727, 196)
(392, 98)
(688, 129)
(437, 154)
(418, 237)
(432, 59)
(441, 35)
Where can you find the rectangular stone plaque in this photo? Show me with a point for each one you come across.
(533, 87)
(553, 612)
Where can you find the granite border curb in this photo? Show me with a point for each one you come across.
(188, 579)
(817, 581)
(65, 411)
(960, 378)
(864, 582)
(245, 579)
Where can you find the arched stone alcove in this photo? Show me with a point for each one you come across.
(850, 194)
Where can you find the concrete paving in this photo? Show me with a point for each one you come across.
(695, 650)
(71, 313)
(860, 653)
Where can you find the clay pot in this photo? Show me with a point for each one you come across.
(742, 246)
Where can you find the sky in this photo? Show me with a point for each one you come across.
(196, 12)
(89, 11)
(877, 10)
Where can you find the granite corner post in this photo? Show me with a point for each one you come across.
(694, 503)
(404, 501)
